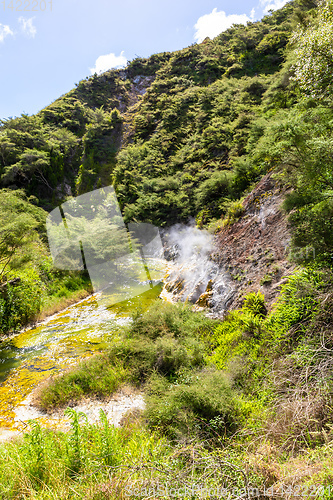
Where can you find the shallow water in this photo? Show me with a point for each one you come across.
(59, 342)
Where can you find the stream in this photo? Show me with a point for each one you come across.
(28, 358)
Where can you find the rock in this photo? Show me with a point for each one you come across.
(205, 300)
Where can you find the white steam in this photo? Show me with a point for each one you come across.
(195, 274)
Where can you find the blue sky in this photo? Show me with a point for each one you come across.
(51, 45)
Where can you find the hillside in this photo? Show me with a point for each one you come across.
(181, 121)
(231, 140)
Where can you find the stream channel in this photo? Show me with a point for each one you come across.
(81, 330)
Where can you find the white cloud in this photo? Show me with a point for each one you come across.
(109, 61)
(4, 31)
(214, 23)
(269, 5)
(27, 27)
(253, 14)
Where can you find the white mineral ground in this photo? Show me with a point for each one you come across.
(115, 407)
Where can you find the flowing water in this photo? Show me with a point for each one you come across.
(81, 330)
(92, 325)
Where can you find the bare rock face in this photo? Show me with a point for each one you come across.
(248, 256)
(254, 249)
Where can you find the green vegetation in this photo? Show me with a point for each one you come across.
(106, 463)
(216, 116)
(250, 394)
(28, 281)
(95, 377)
(246, 401)
(162, 341)
(234, 211)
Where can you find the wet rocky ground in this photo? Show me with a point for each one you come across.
(117, 408)
(250, 255)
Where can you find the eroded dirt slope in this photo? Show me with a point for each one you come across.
(250, 255)
(254, 249)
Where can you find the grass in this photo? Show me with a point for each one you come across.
(55, 304)
(78, 464)
(93, 377)
(164, 340)
(95, 462)
(99, 462)
(243, 403)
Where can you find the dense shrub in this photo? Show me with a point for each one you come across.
(186, 408)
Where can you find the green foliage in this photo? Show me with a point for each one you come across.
(18, 219)
(76, 463)
(216, 117)
(186, 407)
(142, 462)
(28, 280)
(20, 303)
(164, 340)
(76, 453)
(313, 232)
(107, 440)
(175, 320)
(185, 148)
(248, 335)
(255, 303)
(314, 64)
(96, 376)
(298, 144)
(234, 210)
(298, 301)
(237, 336)
(35, 447)
(194, 124)
(34, 154)
(213, 190)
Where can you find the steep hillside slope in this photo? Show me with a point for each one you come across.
(182, 136)
(250, 255)
(255, 249)
(180, 121)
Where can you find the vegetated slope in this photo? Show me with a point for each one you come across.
(180, 135)
(246, 402)
(185, 132)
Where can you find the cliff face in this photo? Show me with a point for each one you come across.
(130, 105)
(248, 256)
(254, 249)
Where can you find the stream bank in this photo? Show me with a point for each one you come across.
(32, 356)
(212, 273)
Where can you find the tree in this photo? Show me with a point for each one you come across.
(299, 144)
(19, 220)
(314, 50)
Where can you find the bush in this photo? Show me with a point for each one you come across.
(186, 408)
(176, 320)
(164, 340)
(96, 377)
(212, 190)
(21, 303)
(255, 303)
(234, 211)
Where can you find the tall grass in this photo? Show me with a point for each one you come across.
(95, 462)
(94, 377)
